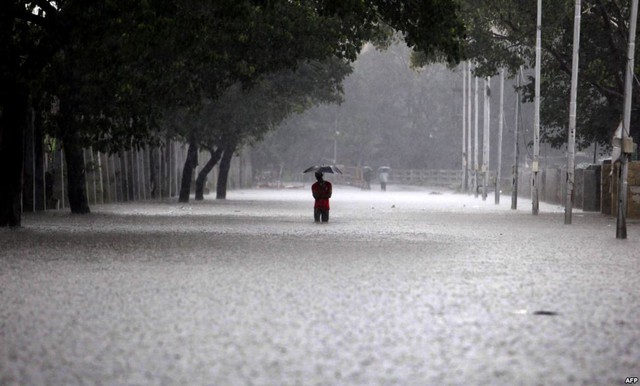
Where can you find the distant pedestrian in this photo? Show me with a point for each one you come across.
(366, 176)
(321, 191)
(383, 177)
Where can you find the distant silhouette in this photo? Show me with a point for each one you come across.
(383, 176)
(366, 175)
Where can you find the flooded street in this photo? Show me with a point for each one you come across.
(405, 287)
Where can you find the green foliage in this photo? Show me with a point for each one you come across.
(246, 114)
(279, 35)
(502, 34)
(116, 66)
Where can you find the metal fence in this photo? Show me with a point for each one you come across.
(128, 175)
(425, 177)
(353, 175)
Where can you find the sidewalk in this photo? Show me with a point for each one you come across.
(400, 288)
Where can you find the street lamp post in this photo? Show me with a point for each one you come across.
(535, 179)
(335, 147)
(465, 155)
(500, 127)
(485, 137)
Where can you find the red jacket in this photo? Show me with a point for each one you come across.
(322, 193)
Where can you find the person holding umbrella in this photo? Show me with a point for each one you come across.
(321, 191)
(383, 177)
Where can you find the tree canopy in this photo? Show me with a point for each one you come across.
(105, 73)
(502, 34)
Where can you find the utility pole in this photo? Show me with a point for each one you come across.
(627, 144)
(485, 138)
(475, 145)
(465, 155)
(335, 140)
(516, 148)
(571, 144)
(469, 162)
(535, 178)
(500, 127)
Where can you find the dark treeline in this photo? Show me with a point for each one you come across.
(120, 76)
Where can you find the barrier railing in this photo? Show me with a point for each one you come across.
(439, 178)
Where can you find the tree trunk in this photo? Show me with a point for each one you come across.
(167, 170)
(187, 172)
(124, 179)
(75, 171)
(40, 199)
(28, 162)
(202, 176)
(225, 165)
(153, 174)
(13, 121)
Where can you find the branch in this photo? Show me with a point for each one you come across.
(605, 91)
(615, 52)
(564, 66)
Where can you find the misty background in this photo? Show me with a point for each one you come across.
(398, 116)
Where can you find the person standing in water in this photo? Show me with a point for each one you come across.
(321, 191)
(384, 178)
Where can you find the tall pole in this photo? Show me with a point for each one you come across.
(485, 138)
(465, 180)
(535, 199)
(475, 143)
(62, 195)
(621, 225)
(571, 144)
(84, 165)
(516, 149)
(469, 162)
(93, 174)
(335, 141)
(100, 181)
(500, 127)
(33, 160)
(335, 147)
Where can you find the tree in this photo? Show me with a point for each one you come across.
(279, 96)
(392, 115)
(171, 53)
(502, 34)
(267, 38)
(322, 30)
(56, 52)
(243, 115)
(22, 58)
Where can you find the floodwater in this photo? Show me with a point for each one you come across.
(404, 287)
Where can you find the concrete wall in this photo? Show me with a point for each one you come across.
(591, 188)
(553, 186)
(610, 190)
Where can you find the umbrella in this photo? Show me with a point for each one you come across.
(323, 169)
(383, 169)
